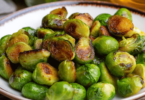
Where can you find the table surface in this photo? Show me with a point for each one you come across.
(21, 5)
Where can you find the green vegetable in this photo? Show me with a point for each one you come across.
(94, 30)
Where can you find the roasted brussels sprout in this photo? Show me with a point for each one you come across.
(124, 12)
(105, 44)
(103, 18)
(29, 31)
(60, 91)
(120, 26)
(84, 51)
(76, 28)
(45, 74)
(87, 74)
(5, 67)
(103, 31)
(19, 78)
(120, 63)
(85, 17)
(34, 91)
(53, 21)
(101, 91)
(130, 85)
(29, 59)
(41, 32)
(141, 58)
(62, 12)
(13, 51)
(94, 30)
(38, 44)
(79, 91)
(67, 71)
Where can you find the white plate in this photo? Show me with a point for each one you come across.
(32, 17)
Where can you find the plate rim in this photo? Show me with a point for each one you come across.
(63, 3)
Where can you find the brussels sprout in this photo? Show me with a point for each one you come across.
(140, 70)
(101, 91)
(132, 45)
(53, 21)
(38, 44)
(130, 85)
(141, 58)
(120, 26)
(76, 28)
(29, 59)
(103, 31)
(60, 91)
(79, 91)
(105, 44)
(13, 51)
(106, 77)
(62, 12)
(87, 74)
(85, 17)
(97, 60)
(124, 12)
(103, 18)
(94, 30)
(4, 43)
(67, 71)
(19, 78)
(34, 91)
(29, 31)
(45, 74)
(84, 51)
(61, 49)
(41, 32)
(120, 63)
(138, 31)
(5, 67)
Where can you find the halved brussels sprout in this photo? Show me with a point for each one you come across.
(34, 91)
(19, 78)
(130, 85)
(45, 74)
(141, 58)
(105, 44)
(84, 51)
(41, 32)
(124, 12)
(13, 51)
(76, 28)
(62, 12)
(120, 26)
(87, 74)
(66, 71)
(38, 44)
(4, 43)
(60, 91)
(103, 18)
(61, 49)
(5, 67)
(85, 17)
(103, 31)
(53, 21)
(101, 91)
(29, 59)
(79, 92)
(120, 63)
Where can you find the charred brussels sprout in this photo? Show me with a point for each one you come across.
(34, 91)
(29, 59)
(41, 32)
(5, 67)
(79, 91)
(141, 58)
(76, 28)
(67, 71)
(103, 18)
(129, 86)
(62, 12)
(45, 74)
(120, 63)
(60, 91)
(84, 51)
(105, 44)
(13, 51)
(103, 31)
(19, 78)
(124, 12)
(53, 21)
(101, 91)
(120, 26)
(87, 74)
(94, 30)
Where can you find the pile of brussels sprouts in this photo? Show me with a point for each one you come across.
(89, 59)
